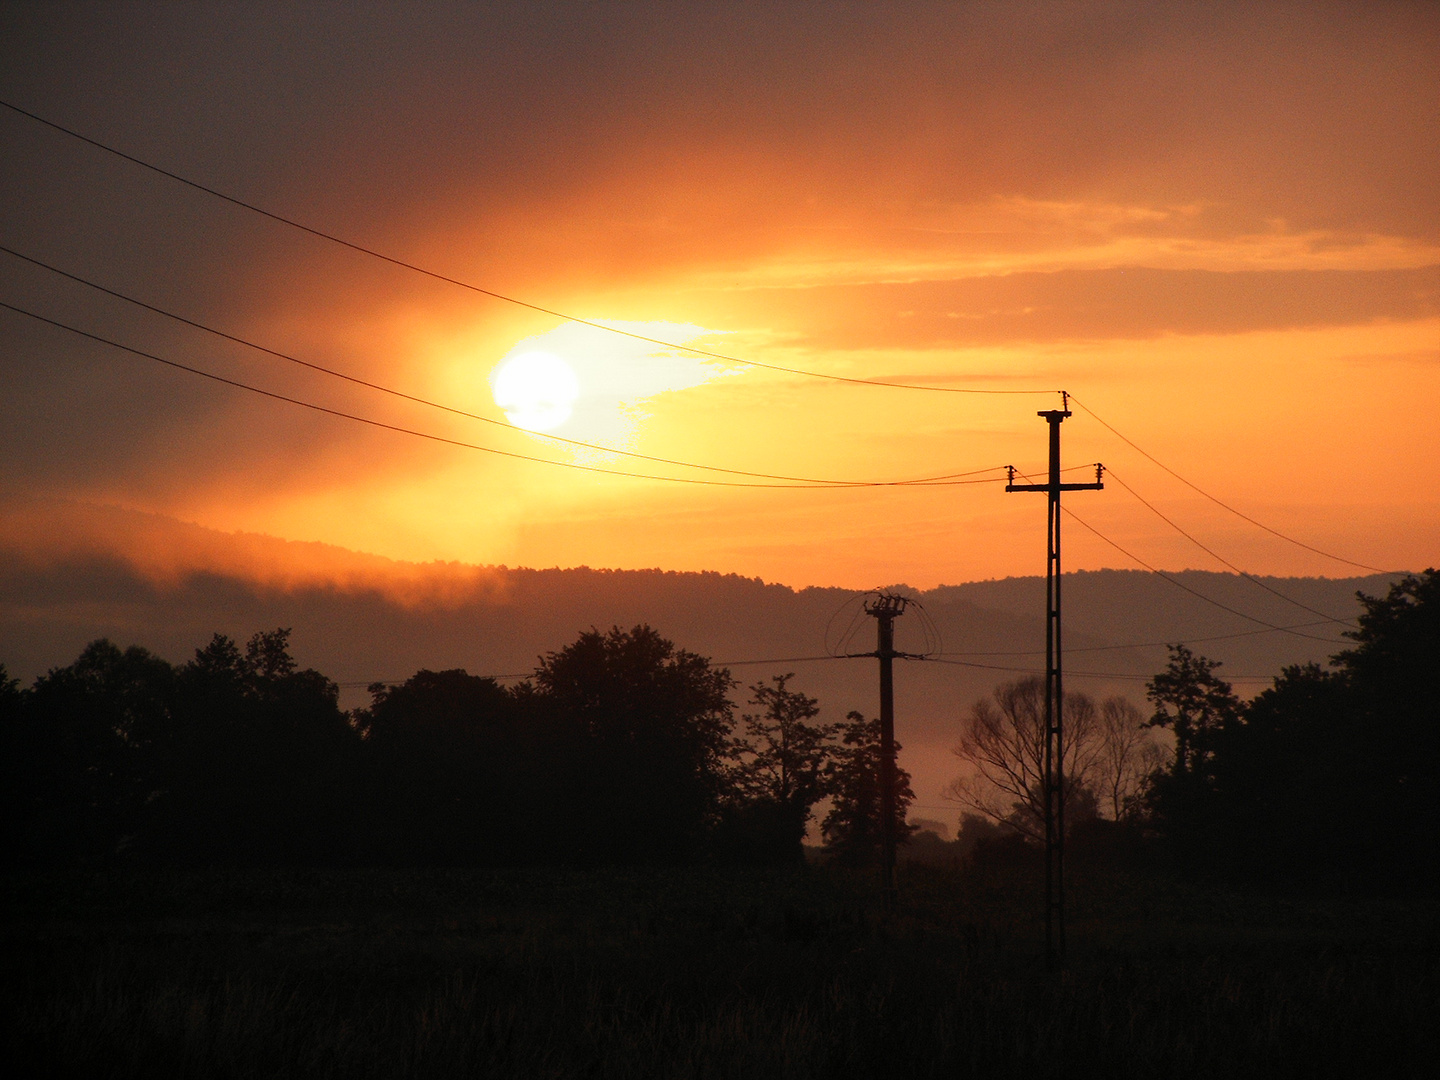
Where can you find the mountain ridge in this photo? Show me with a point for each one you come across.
(71, 577)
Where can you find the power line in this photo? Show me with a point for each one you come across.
(367, 683)
(942, 658)
(528, 674)
(434, 404)
(321, 234)
(830, 486)
(807, 659)
(689, 480)
(1082, 674)
(1213, 554)
(1193, 592)
(360, 248)
(1217, 502)
(331, 237)
(777, 660)
(1148, 644)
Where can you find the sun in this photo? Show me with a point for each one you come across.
(537, 390)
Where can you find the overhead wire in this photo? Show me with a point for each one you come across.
(1180, 584)
(829, 486)
(950, 658)
(1147, 644)
(1080, 674)
(394, 261)
(774, 660)
(1218, 502)
(934, 639)
(437, 405)
(1193, 592)
(857, 614)
(1215, 555)
(354, 684)
(360, 248)
(357, 684)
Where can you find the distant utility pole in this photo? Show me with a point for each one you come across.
(1054, 763)
(885, 608)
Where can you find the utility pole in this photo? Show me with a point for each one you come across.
(885, 607)
(1054, 758)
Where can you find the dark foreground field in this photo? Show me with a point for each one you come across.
(700, 973)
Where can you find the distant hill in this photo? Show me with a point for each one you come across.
(70, 573)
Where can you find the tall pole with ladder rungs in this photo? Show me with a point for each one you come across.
(1053, 780)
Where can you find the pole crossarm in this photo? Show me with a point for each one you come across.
(1047, 487)
(1098, 485)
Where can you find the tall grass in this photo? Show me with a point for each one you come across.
(690, 973)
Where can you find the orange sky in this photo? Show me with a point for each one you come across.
(1218, 229)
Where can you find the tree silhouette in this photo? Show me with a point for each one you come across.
(1328, 774)
(1286, 799)
(1128, 756)
(1194, 703)
(260, 765)
(1394, 674)
(449, 771)
(1002, 740)
(853, 827)
(653, 723)
(95, 729)
(1392, 679)
(1203, 712)
(780, 774)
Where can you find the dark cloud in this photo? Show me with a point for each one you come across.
(375, 117)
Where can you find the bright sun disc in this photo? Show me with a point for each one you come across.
(537, 390)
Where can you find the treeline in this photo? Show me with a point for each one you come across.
(623, 748)
(1331, 776)
(1332, 773)
(620, 749)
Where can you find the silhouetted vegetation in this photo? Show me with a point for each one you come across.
(621, 749)
(624, 749)
(538, 880)
(1003, 740)
(783, 766)
(1329, 775)
(854, 826)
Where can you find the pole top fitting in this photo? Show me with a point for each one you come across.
(887, 605)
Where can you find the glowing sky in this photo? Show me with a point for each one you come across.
(1218, 226)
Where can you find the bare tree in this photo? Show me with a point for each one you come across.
(1128, 755)
(1004, 741)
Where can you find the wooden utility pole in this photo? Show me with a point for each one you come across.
(1054, 763)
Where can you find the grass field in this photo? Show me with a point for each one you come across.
(702, 973)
